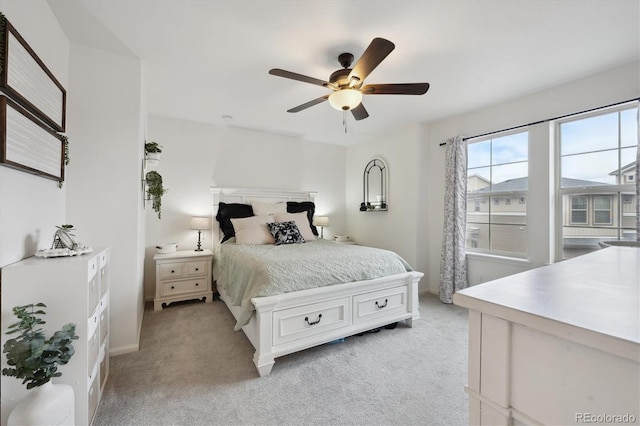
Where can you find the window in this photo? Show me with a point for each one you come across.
(578, 209)
(498, 168)
(597, 156)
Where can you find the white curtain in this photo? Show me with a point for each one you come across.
(453, 261)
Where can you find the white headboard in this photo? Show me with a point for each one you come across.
(246, 195)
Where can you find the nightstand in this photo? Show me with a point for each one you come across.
(183, 275)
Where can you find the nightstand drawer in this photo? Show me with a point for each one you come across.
(380, 303)
(183, 286)
(171, 271)
(195, 268)
(297, 323)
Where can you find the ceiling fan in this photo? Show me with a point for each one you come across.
(347, 83)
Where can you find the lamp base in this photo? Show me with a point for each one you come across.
(199, 244)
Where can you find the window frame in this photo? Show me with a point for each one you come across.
(560, 192)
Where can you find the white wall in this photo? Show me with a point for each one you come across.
(31, 206)
(605, 88)
(104, 196)
(197, 156)
(394, 229)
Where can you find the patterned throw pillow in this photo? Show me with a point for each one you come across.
(285, 233)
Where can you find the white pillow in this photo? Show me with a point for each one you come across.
(253, 230)
(262, 208)
(301, 220)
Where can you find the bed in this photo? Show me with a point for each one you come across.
(321, 298)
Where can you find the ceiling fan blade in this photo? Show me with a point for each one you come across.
(371, 58)
(360, 112)
(309, 104)
(299, 77)
(395, 89)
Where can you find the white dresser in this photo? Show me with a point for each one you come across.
(183, 275)
(75, 289)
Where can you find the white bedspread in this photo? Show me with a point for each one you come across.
(247, 271)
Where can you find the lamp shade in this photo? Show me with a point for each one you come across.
(200, 223)
(321, 220)
(345, 99)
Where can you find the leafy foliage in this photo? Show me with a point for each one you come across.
(152, 147)
(155, 190)
(32, 356)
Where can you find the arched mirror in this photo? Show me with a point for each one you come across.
(374, 186)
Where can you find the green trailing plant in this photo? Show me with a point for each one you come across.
(155, 190)
(31, 356)
(152, 147)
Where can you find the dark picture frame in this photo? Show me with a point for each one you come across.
(26, 79)
(28, 144)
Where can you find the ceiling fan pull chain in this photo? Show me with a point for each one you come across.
(344, 121)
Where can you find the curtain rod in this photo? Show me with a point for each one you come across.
(547, 120)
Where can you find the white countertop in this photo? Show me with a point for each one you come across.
(597, 292)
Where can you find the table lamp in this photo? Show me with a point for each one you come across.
(321, 221)
(200, 224)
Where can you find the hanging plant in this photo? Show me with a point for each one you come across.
(32, 357)
(155, 190)
(152, 147)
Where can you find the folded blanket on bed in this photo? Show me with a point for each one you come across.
(247, 271)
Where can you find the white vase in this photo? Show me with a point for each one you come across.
(49, 404)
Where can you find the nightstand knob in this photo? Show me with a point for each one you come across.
(173, 287)
(197, 269)
(172, 271)
(197, 284)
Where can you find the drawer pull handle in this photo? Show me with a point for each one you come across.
(197, 284)
(172, 287)
(172, 271)
(386, 301)
(313, 322)
(197, 269)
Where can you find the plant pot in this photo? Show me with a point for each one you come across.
(49, 404)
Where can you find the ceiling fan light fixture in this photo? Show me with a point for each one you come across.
(345, 99)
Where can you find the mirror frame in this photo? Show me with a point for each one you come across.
(376, 165)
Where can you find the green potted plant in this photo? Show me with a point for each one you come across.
(155, 190)
(152, 152)
(35, 359)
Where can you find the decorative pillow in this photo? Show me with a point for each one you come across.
(301, 222)
(304, 206)
(285, 233)
(226, 211)
(262, 208)
(253, 230)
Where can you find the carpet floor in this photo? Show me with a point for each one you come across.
(193, 369)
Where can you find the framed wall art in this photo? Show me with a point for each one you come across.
(26, 79)
(28, 144)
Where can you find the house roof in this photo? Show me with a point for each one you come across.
(521, 184)
(624, 169)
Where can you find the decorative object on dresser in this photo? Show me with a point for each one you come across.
(183, 275)
(290, 297)
(64, 244)
(321, 221)
(76, 290)
(35, 359)
(200, 224)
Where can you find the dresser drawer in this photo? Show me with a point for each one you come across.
(170, 271)
(297, 323)
(379, 303)
(195, 268)
(183, 287)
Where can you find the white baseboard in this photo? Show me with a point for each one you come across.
(123, 350)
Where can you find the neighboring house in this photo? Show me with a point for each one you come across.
(586, 219)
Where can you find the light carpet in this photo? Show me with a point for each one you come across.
(193, 369)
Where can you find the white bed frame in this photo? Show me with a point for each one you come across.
(294, 321)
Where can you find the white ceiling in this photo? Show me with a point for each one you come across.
(203, 59)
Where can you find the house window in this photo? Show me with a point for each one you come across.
(579, 209)
(499, 168)
(602, 210)
(597, 154)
